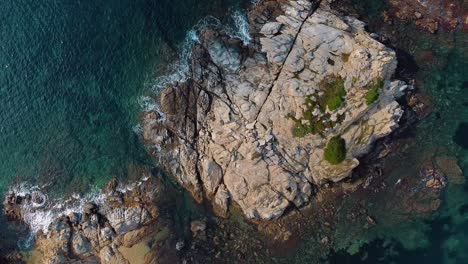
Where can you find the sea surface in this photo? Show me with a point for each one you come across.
(74, 75)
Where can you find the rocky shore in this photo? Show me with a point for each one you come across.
(105, 231)
(247, 135)
(251, 125)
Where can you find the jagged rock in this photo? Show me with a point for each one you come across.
(431, 14)
(271, 28)
(110, 255)
(80, 245)
(125, 219)
(221, 201)
(89, 208)
(95, 234)
(197, 227)
(228, 135)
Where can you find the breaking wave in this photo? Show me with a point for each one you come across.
(180, 70)
(242, 27)
(39, 215)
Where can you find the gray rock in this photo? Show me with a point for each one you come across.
(271, 28)
(252, 99)
(80, 245)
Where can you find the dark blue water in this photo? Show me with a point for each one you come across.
(71, 73)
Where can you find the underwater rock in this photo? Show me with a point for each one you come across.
(449, 166)
(432, 176)
(197, 227)
(432, 15)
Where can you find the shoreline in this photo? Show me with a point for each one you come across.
(334, 194)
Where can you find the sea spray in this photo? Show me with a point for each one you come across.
(39, 217)
(180, 70)
(242, 27)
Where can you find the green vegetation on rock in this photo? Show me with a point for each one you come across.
(313, 122)
(335, 151)
(373, 91)
(334, 93)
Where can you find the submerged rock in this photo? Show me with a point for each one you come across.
(432, 15)
(251, 124)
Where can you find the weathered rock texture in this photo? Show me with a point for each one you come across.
(225, 133)
(99, 232)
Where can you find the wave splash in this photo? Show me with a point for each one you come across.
(242, 27)
(238, 27)
(180, 70)
(38, 211)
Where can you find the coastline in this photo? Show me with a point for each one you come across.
(292, 229)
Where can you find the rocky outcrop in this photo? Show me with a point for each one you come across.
(120, 218)
(251, 124)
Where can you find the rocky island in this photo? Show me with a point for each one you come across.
(282, 138)
(253, 124)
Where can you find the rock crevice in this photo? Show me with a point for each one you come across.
(256, 118)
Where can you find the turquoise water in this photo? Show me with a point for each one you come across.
(440, 64)
(71, 74)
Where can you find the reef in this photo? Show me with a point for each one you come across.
(431, 15)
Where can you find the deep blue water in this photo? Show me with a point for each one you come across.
(71, 74)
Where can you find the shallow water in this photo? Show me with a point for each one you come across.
(441, 64)
(70, 91)
(71, 81)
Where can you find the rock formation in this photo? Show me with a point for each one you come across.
(251, 123)
(98, 234)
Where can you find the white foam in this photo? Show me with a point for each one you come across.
(180, 70)
(40, 218)
(242, 27)
(148, 104)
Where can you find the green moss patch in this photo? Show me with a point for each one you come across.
(335, 151)
(373, 91)
(313, 124)
(334, 93)
(332, 97)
